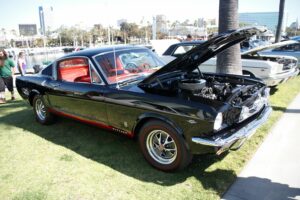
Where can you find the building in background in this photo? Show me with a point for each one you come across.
(46, 19)
(42, 20)
(161, 24)
(27, 29)
(182, 30)
(211, 23)
(201, 22)
(267, 19)
(295, 25)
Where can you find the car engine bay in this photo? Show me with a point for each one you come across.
(236, 92)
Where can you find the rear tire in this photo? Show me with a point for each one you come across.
(42, 115)
(163, 147)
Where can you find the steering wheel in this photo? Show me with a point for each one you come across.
(146, 66)
(131, 67)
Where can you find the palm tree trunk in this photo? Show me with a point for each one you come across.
(280, 19)
(229, 61)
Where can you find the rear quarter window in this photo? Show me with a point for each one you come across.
(47, 71)
(74, 70)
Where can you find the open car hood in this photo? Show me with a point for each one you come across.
(192, 59)
(267, 47)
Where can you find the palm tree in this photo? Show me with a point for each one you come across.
(229, 61)
(280, 19)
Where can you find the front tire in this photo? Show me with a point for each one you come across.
(163, 147)
(42, 115)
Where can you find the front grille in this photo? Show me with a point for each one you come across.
(231, 116)
(287, 63)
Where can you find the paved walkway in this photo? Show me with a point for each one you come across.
(274, 171)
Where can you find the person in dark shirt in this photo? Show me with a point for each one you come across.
(7, 69)
(189, 38)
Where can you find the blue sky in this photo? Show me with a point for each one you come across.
(106, 12)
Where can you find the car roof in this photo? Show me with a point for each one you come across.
(296, 38)
(94, 51)
(190, 42)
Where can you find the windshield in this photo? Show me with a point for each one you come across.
(130, 63)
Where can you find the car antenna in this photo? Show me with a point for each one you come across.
(114, 50)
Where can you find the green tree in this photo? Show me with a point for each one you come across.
(131, 30)
(229, 61)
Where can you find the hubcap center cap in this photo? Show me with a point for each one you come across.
(161, 147)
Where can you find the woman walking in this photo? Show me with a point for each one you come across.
(21, 63)
(6, 72)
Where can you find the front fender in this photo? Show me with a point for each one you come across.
(147, 116)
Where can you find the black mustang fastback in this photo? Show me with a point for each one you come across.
(175, 110)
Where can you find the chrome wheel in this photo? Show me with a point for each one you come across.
(161, 147)
(40, 109)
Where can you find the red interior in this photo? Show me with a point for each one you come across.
(75, 74)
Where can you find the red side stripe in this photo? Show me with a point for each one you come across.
(98, 124)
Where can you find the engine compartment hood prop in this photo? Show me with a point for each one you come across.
(192, 59)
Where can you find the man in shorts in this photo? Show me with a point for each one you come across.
(7, 69)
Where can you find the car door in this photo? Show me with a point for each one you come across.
(78, 90)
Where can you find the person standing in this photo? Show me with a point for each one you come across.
(7, 69)
(21, 63)
(189, 38)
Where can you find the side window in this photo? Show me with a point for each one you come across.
(183, 49)
(111, 66)
(297, 47)
(47, 71)
(95, 76)
(74, 70)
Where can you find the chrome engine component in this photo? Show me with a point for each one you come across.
(192, 85)
(207, 92)
(209, 89)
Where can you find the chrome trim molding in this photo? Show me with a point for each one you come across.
(243, 133)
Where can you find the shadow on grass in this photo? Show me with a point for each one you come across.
(118, 152)
(12, 104)
(285, 110)
(273, 90)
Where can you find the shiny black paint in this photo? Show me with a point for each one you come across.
(121, 108)
(126, 108)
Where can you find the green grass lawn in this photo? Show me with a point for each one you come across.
(71, 160)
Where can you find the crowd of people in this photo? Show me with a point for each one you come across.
(7, 71)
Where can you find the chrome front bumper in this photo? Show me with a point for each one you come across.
(280, 78)
(235, 140)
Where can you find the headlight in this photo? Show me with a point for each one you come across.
(218, 121)
(244, 113)
(276, 68)
(266, 93)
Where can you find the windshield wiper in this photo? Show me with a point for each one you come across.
(128, 81)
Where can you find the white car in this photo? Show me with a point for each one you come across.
(272, 69)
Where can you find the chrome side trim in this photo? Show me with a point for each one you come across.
(243, 133)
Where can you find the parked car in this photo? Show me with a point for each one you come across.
(297, 38)
(271, 69)
(174, 111)
(290, 49)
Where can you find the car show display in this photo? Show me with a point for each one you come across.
(174, 110)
